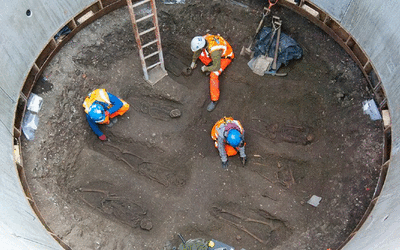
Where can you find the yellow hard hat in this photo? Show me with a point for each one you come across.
(211, 243)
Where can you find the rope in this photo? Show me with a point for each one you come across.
(271, 4)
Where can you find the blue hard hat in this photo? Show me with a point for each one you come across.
(234, 138)
(97, 113)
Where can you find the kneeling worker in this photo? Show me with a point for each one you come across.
(101, 106)
(228, 135)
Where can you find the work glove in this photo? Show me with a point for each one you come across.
(225, 164)
(103, 137)
(243, 160)
(193, 65)
(203, 68)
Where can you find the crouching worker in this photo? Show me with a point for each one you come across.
(228, 135)
(102, 107)
(216, 54)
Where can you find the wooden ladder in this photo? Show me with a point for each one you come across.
(156, 71)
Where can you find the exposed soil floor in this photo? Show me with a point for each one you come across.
(158, 176)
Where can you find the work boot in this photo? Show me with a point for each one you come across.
(211, 106)
(112, 122)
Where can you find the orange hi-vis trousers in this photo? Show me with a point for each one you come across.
(121, 111)
(214, 81)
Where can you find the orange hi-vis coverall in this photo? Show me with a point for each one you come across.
(218, 52)
(219, 133)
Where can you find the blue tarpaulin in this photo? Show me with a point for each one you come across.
(288, 48)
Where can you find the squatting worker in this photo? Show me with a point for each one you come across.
(228, 135)
(102, 107)
(216, 54)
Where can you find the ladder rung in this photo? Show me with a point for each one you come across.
(145, 17)
(152, 66)
(150, 43)
(140, 3)
(146, 31)
(152, 54)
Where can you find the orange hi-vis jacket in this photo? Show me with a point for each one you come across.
(99, 95)
(96, 95)
(217, 42)
(215, 131)
(218, 133)
(113, 104)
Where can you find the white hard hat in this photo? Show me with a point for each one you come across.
(198, 42)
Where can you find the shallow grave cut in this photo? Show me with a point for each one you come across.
(158, 176)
